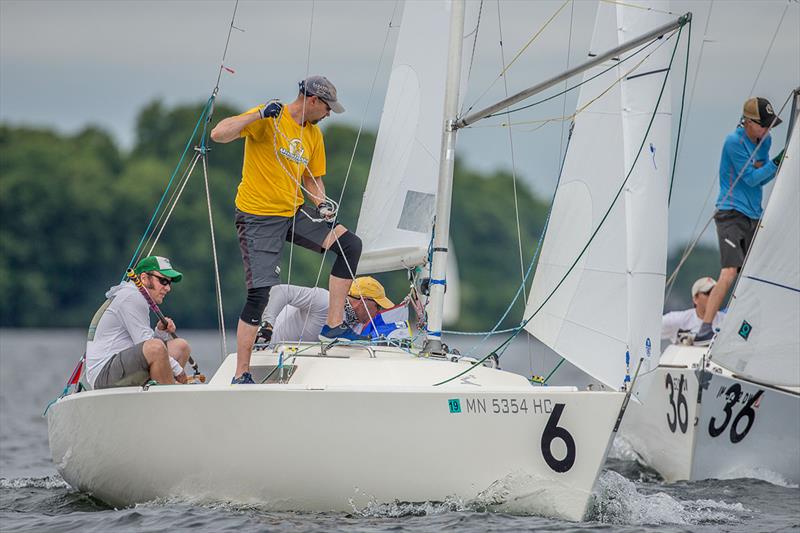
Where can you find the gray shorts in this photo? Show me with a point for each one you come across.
(261, 241)
(127, 368)
(735, 233)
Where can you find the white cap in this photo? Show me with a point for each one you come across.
(703, 285)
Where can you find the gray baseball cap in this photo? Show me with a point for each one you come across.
(322, 88)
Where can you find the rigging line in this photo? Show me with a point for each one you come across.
(674, 274)
(680, 116)
(535, 36)
(169, 184)
(227, 42)
(686, 253)
(217, 284)
(769, 50)
(561, 151)
(594, 233)
(358, 138)
(564, 106)
(513, 161)
(689, 106)
(159, 225)
(474, 45)
(533, 259)
(300, 171)
(175, 203)
(636, 6)
(579, 110)
(614, 65)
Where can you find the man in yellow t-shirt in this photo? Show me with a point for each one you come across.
(284, 156)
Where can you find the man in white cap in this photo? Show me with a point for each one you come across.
(744, 169)
(690, 320)
(284, 156)
(296, 313)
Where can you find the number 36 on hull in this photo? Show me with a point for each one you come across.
(694, 424)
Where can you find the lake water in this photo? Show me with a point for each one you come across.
(34, 365)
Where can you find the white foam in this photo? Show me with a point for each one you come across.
(623, 450)
(617, 501)
(49, 482)
(373, 509)
(761, 474)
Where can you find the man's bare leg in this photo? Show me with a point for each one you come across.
(337, 287)
(179, 350)
(245, 338)
(155, 353)
(726, 277)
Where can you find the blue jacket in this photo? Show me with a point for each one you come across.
(746, 194)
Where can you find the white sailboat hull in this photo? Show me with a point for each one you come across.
(316, 447)
(684, 437)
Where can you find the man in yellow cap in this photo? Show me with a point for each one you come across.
(296, 313)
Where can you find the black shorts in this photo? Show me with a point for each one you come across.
(261, 241)
(735, 233)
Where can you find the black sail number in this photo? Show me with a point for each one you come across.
(672, 422)
(552, 431)
(746, 412)
(679, 405)
(733, 394)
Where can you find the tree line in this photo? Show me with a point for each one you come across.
(74, 206)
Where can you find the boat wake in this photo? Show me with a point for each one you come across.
(398, 509)
(48, 482)
(761, 474)
(618, 501)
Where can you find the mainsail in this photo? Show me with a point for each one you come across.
(399, 203)
(607, 311)
(760, 338)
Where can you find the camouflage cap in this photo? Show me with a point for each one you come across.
(322, 88)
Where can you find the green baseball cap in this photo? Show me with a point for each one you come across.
(160, 264)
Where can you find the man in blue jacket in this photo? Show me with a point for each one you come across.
(744, 169)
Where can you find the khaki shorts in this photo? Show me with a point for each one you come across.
(127, 368)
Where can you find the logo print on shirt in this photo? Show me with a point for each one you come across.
(295, 152)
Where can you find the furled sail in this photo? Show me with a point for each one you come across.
(399, 203)
(610, 303)
(760, 337)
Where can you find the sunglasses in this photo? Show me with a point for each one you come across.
(162, 280)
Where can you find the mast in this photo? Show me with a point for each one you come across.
(433, 342)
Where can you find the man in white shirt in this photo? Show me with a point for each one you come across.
(122, 348)
(690, 320)
(297, 313)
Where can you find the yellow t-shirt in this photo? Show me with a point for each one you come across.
(274, 162)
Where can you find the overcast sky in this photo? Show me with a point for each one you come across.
(66, 64)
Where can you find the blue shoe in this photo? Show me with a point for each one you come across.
(340, 332)
(245, 379)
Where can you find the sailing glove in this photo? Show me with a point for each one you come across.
(264, 334)
(778, 158)
(327, 210)
(271, 109)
